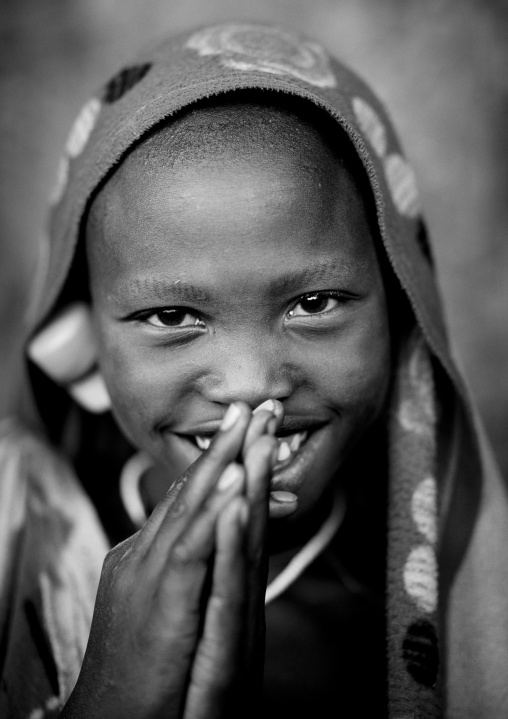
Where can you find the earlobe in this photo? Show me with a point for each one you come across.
(66, 350)
(91, 393)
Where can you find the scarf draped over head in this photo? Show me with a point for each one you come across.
(447, 606)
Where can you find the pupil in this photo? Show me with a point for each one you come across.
(171, 318)
(315, 303)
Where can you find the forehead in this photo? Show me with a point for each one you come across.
(223, 191)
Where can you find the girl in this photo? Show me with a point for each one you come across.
(239, 358)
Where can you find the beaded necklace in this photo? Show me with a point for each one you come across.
(130, 495)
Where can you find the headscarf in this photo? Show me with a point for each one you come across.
(447, 604)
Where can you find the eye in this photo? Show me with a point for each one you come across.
(315, 304)
(174, 317)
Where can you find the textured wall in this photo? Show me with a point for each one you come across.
(441, 68)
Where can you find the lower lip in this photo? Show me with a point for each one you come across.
(288, 478)
(282, 504)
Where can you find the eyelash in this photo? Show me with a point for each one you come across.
(198, 322)
(327, 295)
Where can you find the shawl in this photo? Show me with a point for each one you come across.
(447, 579)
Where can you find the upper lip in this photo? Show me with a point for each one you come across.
(290, 425)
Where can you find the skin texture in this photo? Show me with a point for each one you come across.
(170, 637)
(242, 271)
(234, 240)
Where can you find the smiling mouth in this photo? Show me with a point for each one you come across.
(295, 453)
(289, 446)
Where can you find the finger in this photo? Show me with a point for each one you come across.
(215, 679)
(263, 422)
(259, 461)
(187, 494)
(275, 407)
(266, 419)
(196, 542)
(182, 573)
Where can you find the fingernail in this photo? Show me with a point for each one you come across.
(232, 474)
(232, 414)
(268, 405)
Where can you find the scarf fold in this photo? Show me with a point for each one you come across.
(447, 598)
(63, 547)
(414, 674)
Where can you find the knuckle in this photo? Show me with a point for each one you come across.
(228, 604)
(180, 555)
(178, 508)
(183, 554)
(256, 557)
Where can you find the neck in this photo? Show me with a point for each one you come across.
(363, 486)
(287, 567)
(289, 535)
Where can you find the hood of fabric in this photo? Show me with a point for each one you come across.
(219, 59)
(224, 58)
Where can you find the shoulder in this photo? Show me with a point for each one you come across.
(20, 451)
(20, 448)
(52, 547)
(30, 468)
(42, 502)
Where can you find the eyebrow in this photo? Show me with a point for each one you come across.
(155, 289)
(316, 273)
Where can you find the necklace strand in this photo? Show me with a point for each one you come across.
(130, 495)
(316, 544)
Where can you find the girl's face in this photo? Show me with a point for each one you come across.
(240, 278)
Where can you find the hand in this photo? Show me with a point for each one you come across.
(178, 622)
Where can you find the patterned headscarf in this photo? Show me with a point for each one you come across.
(437, 469)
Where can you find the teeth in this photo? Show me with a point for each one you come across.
(287, 445)
(284, 451)
(297, 440)
(290, 445)
(203, 442)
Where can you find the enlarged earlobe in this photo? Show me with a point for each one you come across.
(65, 350)
(91, 393)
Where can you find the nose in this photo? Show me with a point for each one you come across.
(249, 370)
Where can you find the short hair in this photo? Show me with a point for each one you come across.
(240, 124)
(235, 123)
(242, 121)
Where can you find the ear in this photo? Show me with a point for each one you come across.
(66, 350)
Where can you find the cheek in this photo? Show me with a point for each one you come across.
(370, 372)
(141, 385)
(356, 375)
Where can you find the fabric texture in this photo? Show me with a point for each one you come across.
(53, 547)
(447, 579)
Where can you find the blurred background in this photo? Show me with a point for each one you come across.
(440, 66)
